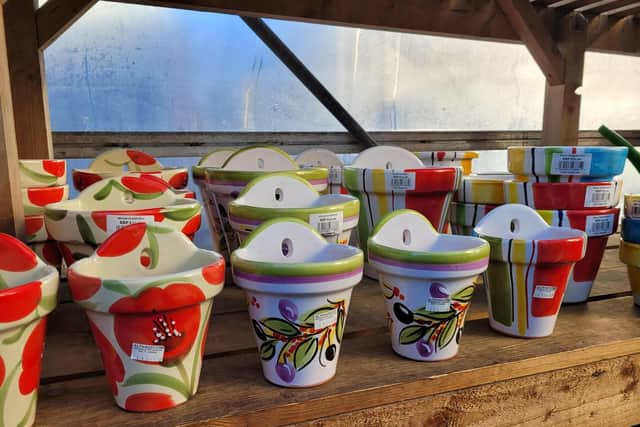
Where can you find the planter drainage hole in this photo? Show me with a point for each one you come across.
(406, 237)
(145, 258)
(287, 247)
(278, 195)
(261, 163)
(127, 197)
(388, 165)
(514, 226)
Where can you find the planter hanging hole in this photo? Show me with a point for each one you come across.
(260, 163)
(287, 247)
(145, 258)
(389, 165)
(127, 197)
(514, 226)
(406, 237)
(278, 195)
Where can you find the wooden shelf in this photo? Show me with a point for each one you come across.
(587, 371)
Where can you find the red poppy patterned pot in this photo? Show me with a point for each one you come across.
(148, 292)
(28, 292)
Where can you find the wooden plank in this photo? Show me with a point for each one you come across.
(536, 37)
(55, 16)
(601, 7)
(635, 10)
(369, 375)
(623, 33)
(28, 89)
(11, 210)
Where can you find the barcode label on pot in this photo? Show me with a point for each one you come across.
(335, 175)
(438, 305)
(570, 164)
(598, 196)
(116, 222)
(599, 225)
(325, 319)
(327, 224)
(635, 209)
(544, 292)
(401, 181)
(146, 352)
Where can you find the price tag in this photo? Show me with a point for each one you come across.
(400, 181)
(438, 305)
(570, 164)
(635, 209)
(146, 352)
(544, 292)
(325, 319)
(116, 222)
(327, 224)
(599, 225)
(335, 175)
(598, 196)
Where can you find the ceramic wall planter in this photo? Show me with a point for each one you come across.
(281, 194)
(567, 164)
(108, 205)
(35, 230)
(321, 158)
(632, 205)
(148, 294)
(630, 255)
(224, 184)
(34, 199)
(463, 159)
(28, 292)
(427, 282)
(485, 189)
(42, 173)
(385, 179)
(48, 252)
(529, 270)
(564, 195)
(119, 162)
(299, 287)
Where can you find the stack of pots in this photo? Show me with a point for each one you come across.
(322, 158)
(387, 178)
(81, 224)
(630, 243)
(464, 159)
(572, 187)
(42, 182)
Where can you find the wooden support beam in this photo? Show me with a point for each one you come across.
(605, 7)
(561, 117)
(11, 210)
(28, 88)
(55, 16)
(536, 37)
(623, 33)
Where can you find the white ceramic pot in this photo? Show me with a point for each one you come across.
(34, 199)
(299, 287)
(42, 173)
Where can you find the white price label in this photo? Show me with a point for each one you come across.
(570, 164)
(325, 319)
(599, 225)
(327, 224)
(544, 292)
(400, 181)
(116, 222)
(438, 305)
(146, 352)
(335, 175)
(598, 196)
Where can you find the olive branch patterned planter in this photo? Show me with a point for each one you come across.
(427, 282)
(298, 290)
(148, 294)
(42, 173)
(28, 293)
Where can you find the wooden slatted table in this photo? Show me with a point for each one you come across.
(587, 373)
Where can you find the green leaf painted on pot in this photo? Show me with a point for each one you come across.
(340, 325)
(116, 286)
(182, 214)
(412, 333)
(146, 196)
(305, 353)
(115, 164)
(154, 249)
(32, 404)
(39, 177)
(448, 333)
(161, 282)
(104, 192)
(463, 295)
(15, 337)
(267, 350)
(308, 318)
(3, 284)
(158, 230)
(55, 214)
(434, 315)
(4, 391)
(280, 326)
(85, 230)
(32, 210)
(158, 379)
(197, 359)
(48, 302)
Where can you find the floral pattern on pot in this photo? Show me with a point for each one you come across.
(42, 173)
(298, 286)
(28, 293)
(108, 205)
(567, 164)
(35, 229)
(530, 267)
(118, 162)
(48, 252)
(463, 159)
(34, 199)
(148, 293)
(281, 194)
(323, 158)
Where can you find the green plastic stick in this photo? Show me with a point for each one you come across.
(616, 139)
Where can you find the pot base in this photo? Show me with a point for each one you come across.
(319, 383)
(577, 292)
(425, 360)
(507, 331)
(370, 271)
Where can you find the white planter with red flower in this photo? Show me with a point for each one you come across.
(148, 292)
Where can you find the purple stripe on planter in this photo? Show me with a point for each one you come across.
(295, 279)
(240, 220)
(434, 267)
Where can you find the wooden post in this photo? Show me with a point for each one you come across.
(28, 88)
(11, 211)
